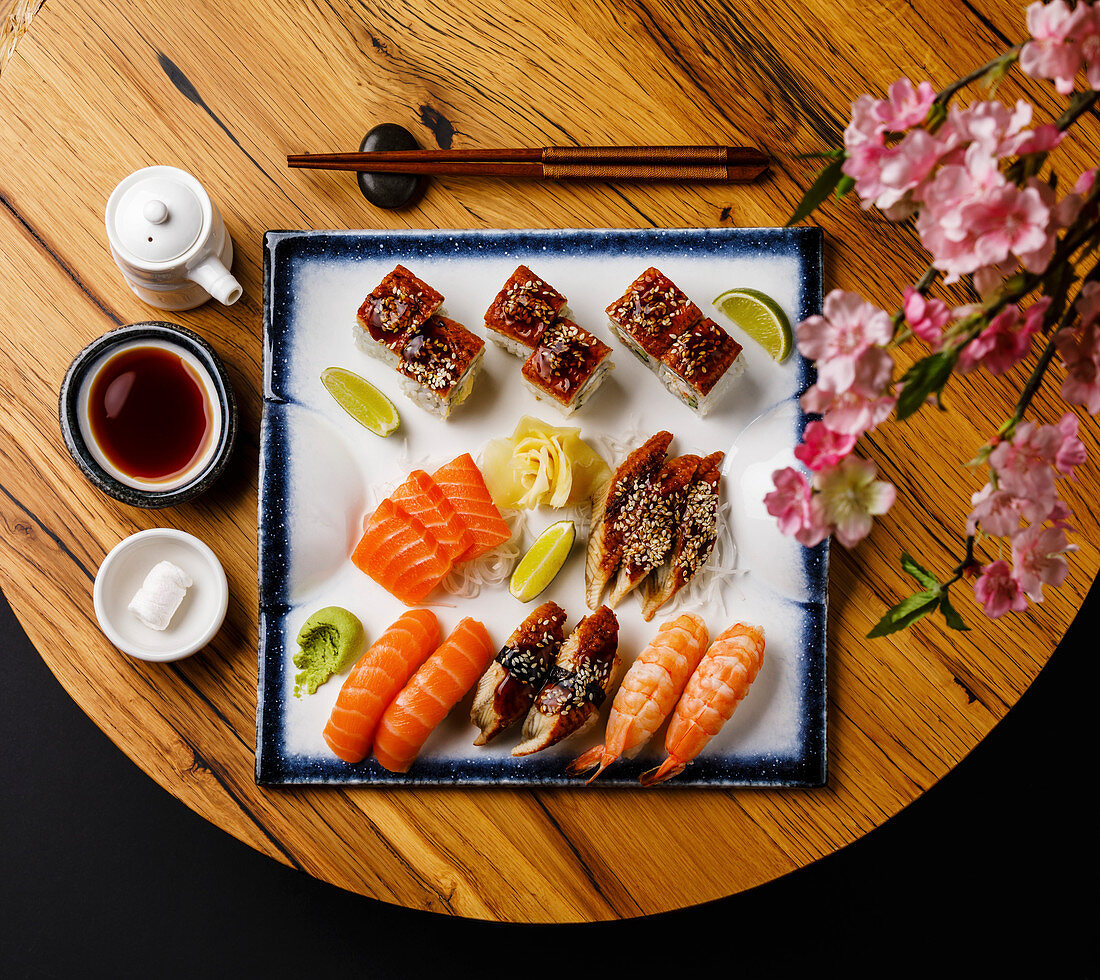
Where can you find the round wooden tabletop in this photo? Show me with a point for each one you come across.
(92, 91)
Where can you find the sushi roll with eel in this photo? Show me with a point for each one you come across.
(394, 311)
(522, 311)
(438, 365)
(701, 365)
(650, 315)
(567, 366)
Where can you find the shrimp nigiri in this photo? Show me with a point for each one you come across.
(719, 684)
(648, 692)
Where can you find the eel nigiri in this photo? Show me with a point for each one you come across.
(434, 689)
(508, 687)
(717, 687)
(570, 702)
(649, 691)
(374, 680)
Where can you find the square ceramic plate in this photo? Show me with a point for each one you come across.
(321, 473)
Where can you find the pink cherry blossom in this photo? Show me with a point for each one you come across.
(1067, 209)
(1023, 466)
(995, 129)
(973, 217)
(822, 447)
(1037, 559)
(997, 511)
(891, 176)
(1079, 348)
(1071, 453)
(796, 507)
(1005, 341)
(905, 106)
(859, 408)
(848, 326)
(926, 317)
(1055, 50)
(851, 497)
(998, 591)
(1042, 140)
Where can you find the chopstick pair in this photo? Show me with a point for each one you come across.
(713, 164)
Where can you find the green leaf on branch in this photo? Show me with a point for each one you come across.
(844, 185)
(921, 574)
(951, 616)
(906, 612)
(820, 189)
(923, 380)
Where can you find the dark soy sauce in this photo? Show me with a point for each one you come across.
(149, 413)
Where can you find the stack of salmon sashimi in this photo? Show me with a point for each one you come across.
(426, 527)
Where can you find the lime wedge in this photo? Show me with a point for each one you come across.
(761, 317)
(543, 561)
(361, 400)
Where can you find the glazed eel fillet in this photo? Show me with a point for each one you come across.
(696, 534)
(654, 517)
(611, 514)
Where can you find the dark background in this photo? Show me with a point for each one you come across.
(103, 873)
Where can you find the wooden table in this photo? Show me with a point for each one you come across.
(94, 91)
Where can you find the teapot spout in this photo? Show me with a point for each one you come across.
(217, 280)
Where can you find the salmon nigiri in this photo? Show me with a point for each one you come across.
(649, 691)
(401, 554)
(420, 497)
(374, 680)
(435, 688)
(464, 486)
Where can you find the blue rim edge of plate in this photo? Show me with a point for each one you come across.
(808, 771)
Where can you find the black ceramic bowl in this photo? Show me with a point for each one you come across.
(71, 411)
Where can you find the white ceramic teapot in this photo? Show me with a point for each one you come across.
(169, 240)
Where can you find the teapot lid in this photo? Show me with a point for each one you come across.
(157, 214)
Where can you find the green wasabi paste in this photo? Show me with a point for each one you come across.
(329, 641)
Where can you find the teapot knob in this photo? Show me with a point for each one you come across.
(155, 212)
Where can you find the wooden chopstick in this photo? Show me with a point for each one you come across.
(643, 163)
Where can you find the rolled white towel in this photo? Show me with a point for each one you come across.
(160, 595)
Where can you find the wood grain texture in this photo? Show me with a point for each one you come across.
(94, 91)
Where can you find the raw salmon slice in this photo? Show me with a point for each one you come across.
(464, 486)
(401, 554)
(375, 679)
(420, 497)
(436, 687)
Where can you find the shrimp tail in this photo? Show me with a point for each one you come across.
(666, 770)
(598, 756)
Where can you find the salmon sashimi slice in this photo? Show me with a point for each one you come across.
(420, 497)
(375, 680)
(462, 483)
(434, 690)
(401, 554)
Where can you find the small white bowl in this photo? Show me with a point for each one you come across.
(199, 616)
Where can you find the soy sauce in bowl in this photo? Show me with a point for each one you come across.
(150, 414)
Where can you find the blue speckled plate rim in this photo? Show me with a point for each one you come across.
(807, 768)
